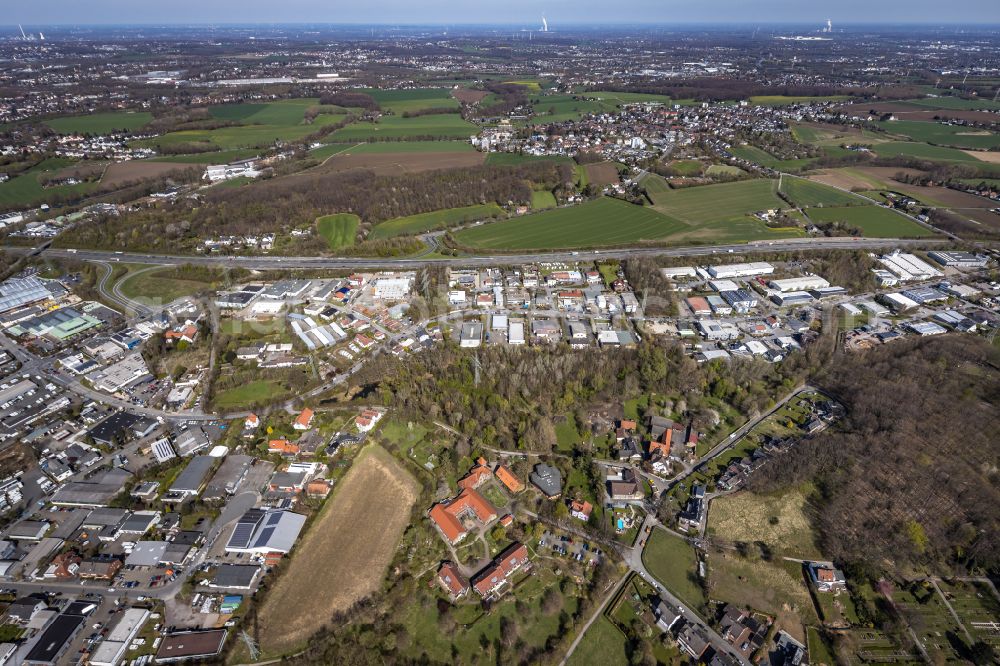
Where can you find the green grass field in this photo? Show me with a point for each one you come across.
(602, 645)
(954, 103)
(672, 561)
(602, 221)
(687, 167)
(438, 126)
(711, 203)
(159, 286)
(416, 99)
(438, 219)
(941, 134)
(328, 150)
(283, 112)
(100, 123)
(806, 193)
(27, 190)
(542, 199)
(723, 170)
(251, 393)
(412, 147)
(338, 229)
(922, 151)
(629, 97)
(874, 221)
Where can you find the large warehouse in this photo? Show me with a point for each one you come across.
(741, 270)
(262, 531)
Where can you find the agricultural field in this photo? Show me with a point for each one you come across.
(100, 123)
(331, 567)
(631, 97)
(779, 520)
(723, 170)
(211, 157)
(673, 562)
(821, 134)
(121, 173)
(338, 230)
(329, 150)
(603, 221)
(861, 178)
(710, 203)
(438, 219)
(874, 221)
(776, 587)
(807, 193)
(922, 151)
(559, 108)
(941, 134)
(513, 159)
(601, 173)
(436, 126)
(415, 99)
(380, 147)
(784, 100)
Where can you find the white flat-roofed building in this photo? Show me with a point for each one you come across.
(873, 308)
(678, 272)
(456, 297)
(711, 329)
(741, 270)
(961, 291)
(472, 334)
(499, 322)
(959, 259)
(515, 333)
(955, 320)
(392, 288)
(924, 328)
(804, 283)
(723, 285)
(898, 302)
(785, 299)
(850, 309)
(908, 266)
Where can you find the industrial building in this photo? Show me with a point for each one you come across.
(789, 298)
(959, 259)
(908, 267)
(261, 532)
(15, 293)
(804, 283)
(678, 271)
(741, 270)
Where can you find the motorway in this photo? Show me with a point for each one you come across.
(354, 263)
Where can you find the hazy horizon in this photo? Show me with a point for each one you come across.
(515, 13)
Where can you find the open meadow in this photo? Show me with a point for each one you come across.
(338, 230)
(413, 99)
(438, 219)
(807, 193)
(100, 123)
(344, 555)
(710, 203)
(434, 126)
(672, 561)
(942, 134)
(874, 221)
(780, 520)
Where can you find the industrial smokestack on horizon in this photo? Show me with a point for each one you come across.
(829, 26)
(545, 25)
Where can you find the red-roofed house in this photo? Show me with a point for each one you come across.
(488, 581)
(452, 582)
(282, 446)
(187, 334)
(580, 510)
(448, 516)
(304, 420)
(507, 478)
(479, 475)
(367, 419)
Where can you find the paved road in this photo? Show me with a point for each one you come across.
(274, 262)
(597, 613)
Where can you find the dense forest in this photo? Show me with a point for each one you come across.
(296, 201)
(912, 478)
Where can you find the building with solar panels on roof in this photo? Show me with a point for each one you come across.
(265, 531)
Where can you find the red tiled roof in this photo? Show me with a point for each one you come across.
(304, 418)
(507, 478)
(451, 579)
(500, 569)
(446, 514)
(584, 507)
(477, 477)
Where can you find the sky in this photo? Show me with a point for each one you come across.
(518, 12)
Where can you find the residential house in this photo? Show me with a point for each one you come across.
(693, 640)
(491, 580)
(507, 478)
(448, 516)
(367, 419)
(452, 581)
(623, 486)
(580, 510)
(479, 475)
(826, 578)
(304, 420)
(283, 447)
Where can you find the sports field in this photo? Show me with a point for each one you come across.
(100, 123)
(603, 221)
(941, 134)
(344, 555)
(438, 219)
(437, 126)
(709, 203)
(874, 221)
(338, 229)
(806, 193)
